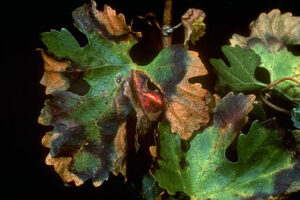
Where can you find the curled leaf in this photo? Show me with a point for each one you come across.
(188, 105)
(107, 23)
(194, 27)
(148, 103)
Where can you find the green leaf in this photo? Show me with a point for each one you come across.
(296, 116)
(239, 76)
(264, 167)
(281, 64)
(95, 87)
(64, 45)
(259, 112)
(270, 34)
(151, 191)
(150, 188)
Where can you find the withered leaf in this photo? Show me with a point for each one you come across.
(147, 103)
(269, 37)
(187, 105)
(53, 77)
(274, 27)
(194, 27)
(89, 136)
(107, 23)
(189, 108)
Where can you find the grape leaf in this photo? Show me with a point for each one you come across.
(259, 112)
(274, 26)
(150, 189)
(189, 108)
(296, 116)
(95, 87)
(281, 64)
(264, 167)
(270, 34)
(240, 76)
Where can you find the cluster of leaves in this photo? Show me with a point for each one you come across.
(97, 88)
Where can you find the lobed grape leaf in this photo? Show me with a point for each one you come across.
(272, 27)
(189, 108)
(95, 87)
(280, 64)
(264, 167)
(240, 76)
(270, 34)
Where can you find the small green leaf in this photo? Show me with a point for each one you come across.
(150, 188)
(296, 116)
(264, 167)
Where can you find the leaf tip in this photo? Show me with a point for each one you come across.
(233, 109)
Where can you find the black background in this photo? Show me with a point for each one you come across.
(22, 68)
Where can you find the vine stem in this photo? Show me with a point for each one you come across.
(167, 24)
(282, 79)
(271, 105)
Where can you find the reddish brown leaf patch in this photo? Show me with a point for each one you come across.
(189, 109)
